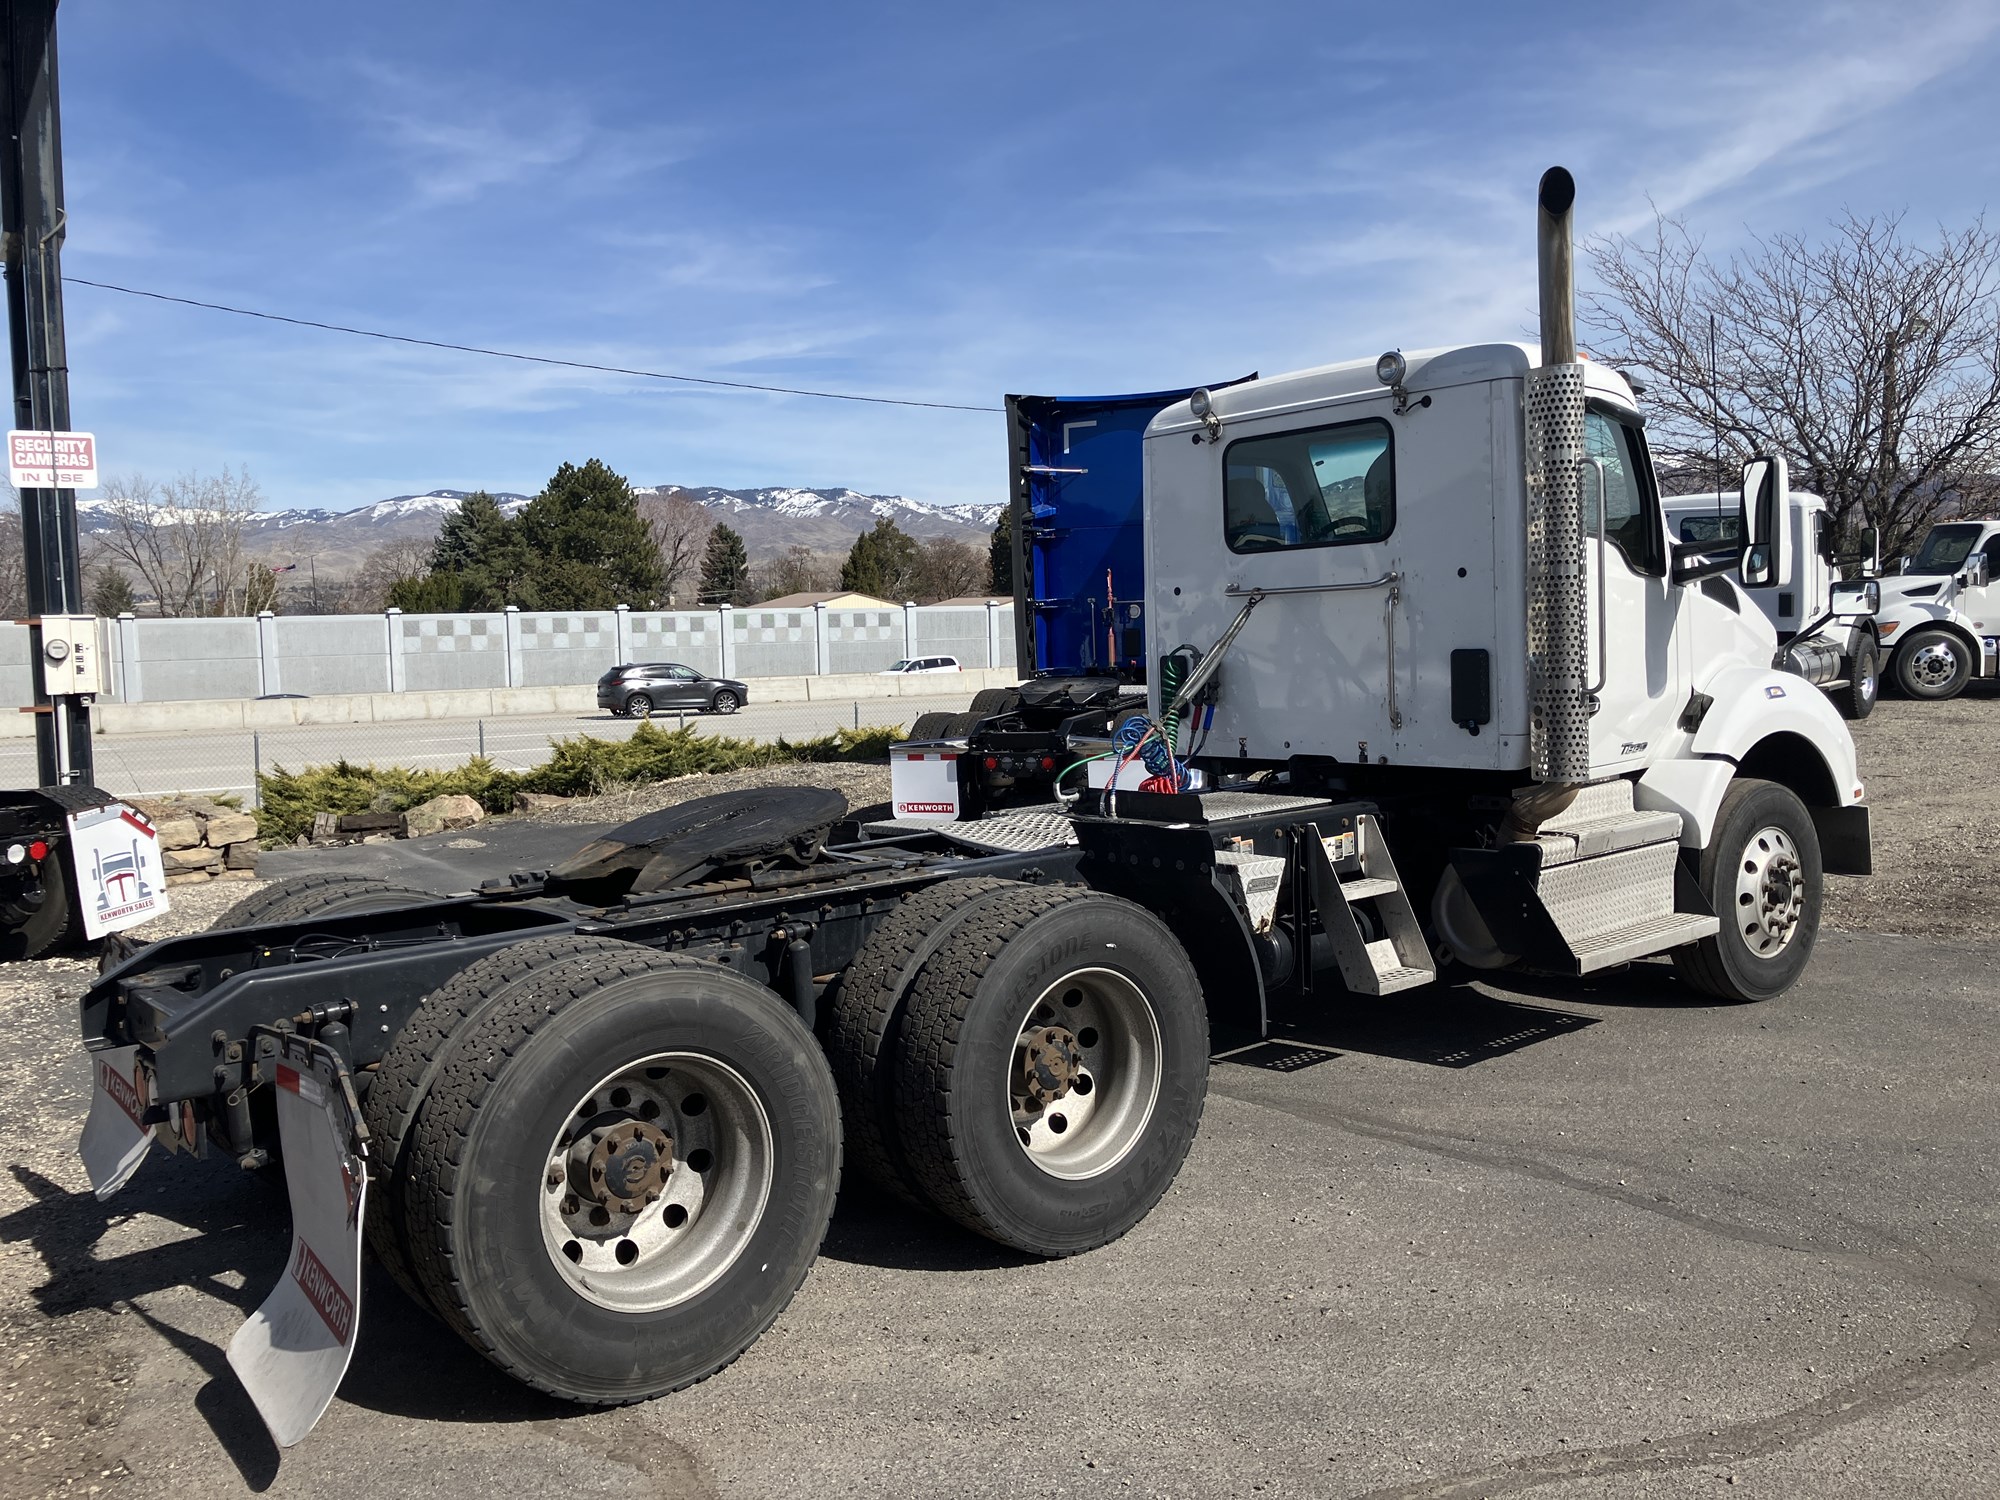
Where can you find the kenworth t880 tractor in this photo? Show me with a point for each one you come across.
(1455, 698)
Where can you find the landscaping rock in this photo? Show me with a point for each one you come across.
(441, 813)
(226, 828)
(180, 861)
(180, 832)
(532, 802)
(187, 877)
(241, 856)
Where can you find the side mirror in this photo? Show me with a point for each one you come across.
(1871, 552)
(1975, 574)
(1767, 523)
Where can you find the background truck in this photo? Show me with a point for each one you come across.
(1940, 617)
(1825, 624)
(595, 1117)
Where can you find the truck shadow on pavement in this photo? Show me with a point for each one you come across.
(1455, 1026)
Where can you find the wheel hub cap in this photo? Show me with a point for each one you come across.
(623, 1166)
(1770, 892)
(1051, 1061)
(1935, 664)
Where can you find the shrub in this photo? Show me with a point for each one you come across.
(578, 767)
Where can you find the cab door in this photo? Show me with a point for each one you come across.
(1636, 676)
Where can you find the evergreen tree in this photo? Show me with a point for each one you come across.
(1001, 552)
(483, 550)
(111, 592)
(587, 545)
(882, 562)
(725, 569)
(432, 594)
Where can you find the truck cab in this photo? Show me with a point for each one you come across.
(1825, 625)
(1940, 617)
(1444, 581)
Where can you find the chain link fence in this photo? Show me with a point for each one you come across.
(230, 761)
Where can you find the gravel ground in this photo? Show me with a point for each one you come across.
(1931, 859)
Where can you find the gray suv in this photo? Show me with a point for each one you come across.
(640, 689)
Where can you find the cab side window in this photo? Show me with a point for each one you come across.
(1624, 495)
(1322, 487)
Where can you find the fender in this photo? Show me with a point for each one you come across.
(1780, 728)
(1932, 618)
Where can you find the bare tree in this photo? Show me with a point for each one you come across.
(947, 569)
(385, 567)
(1870, 362)
(800, 570)
(13, 560)
(183, 538)
(680, 529)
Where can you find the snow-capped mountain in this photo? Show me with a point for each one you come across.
(769, 520)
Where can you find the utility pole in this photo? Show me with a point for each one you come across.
(31, 214)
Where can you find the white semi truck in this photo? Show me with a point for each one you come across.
(1940, 617)
(1825, 624)
(1454, 695)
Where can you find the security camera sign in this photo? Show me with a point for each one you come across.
(52, 460)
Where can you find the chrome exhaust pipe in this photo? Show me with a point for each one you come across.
(1555, 256)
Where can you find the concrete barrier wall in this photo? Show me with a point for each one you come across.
(156, 661)
(379, 708)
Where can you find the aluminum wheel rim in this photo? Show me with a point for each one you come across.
(1935, 663)
(1102, 1065)
(708, 1205)
(1770, 892)
(1869, 681)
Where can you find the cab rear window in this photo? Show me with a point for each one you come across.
(1322, 487)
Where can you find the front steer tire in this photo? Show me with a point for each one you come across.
(960, 1060)
(514, 1087)
(1931, 665)
(1857, 700)
(1764, 845)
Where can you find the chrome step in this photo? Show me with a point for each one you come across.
(1641, 940)
(1364, 889)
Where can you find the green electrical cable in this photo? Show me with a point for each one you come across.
(1171, 677)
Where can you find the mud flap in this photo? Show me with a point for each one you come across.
(292, 1353)
(115, 1137)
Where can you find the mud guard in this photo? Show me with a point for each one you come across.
(115, 1135)
(294, 1350)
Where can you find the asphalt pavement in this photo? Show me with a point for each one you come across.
(1567, 1238)
(224, 761)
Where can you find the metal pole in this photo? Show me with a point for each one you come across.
(31, 213)
(256, 770)
(482, 739)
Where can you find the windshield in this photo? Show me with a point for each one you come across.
(1711, 528)
(901, 666)
(1945, 548)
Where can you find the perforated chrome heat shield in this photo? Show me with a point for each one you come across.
(1558, 600)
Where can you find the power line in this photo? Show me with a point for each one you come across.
(532, 359)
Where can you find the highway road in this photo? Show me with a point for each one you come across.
(223, 761)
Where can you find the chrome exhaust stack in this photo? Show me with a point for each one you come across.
(1558, 593)
(1555, 261)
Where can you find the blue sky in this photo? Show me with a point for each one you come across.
(937, 202)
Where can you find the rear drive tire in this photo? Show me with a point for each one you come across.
(1052, 1069)
(932, 726)
(1761, 873)
(309, 896)
(401, 1083)
(37, 928)
(700, 1097)
(995, 700)
(1931, 665)
(867, 1020)
(724, 702)
(639, 706)
(1864, 682)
